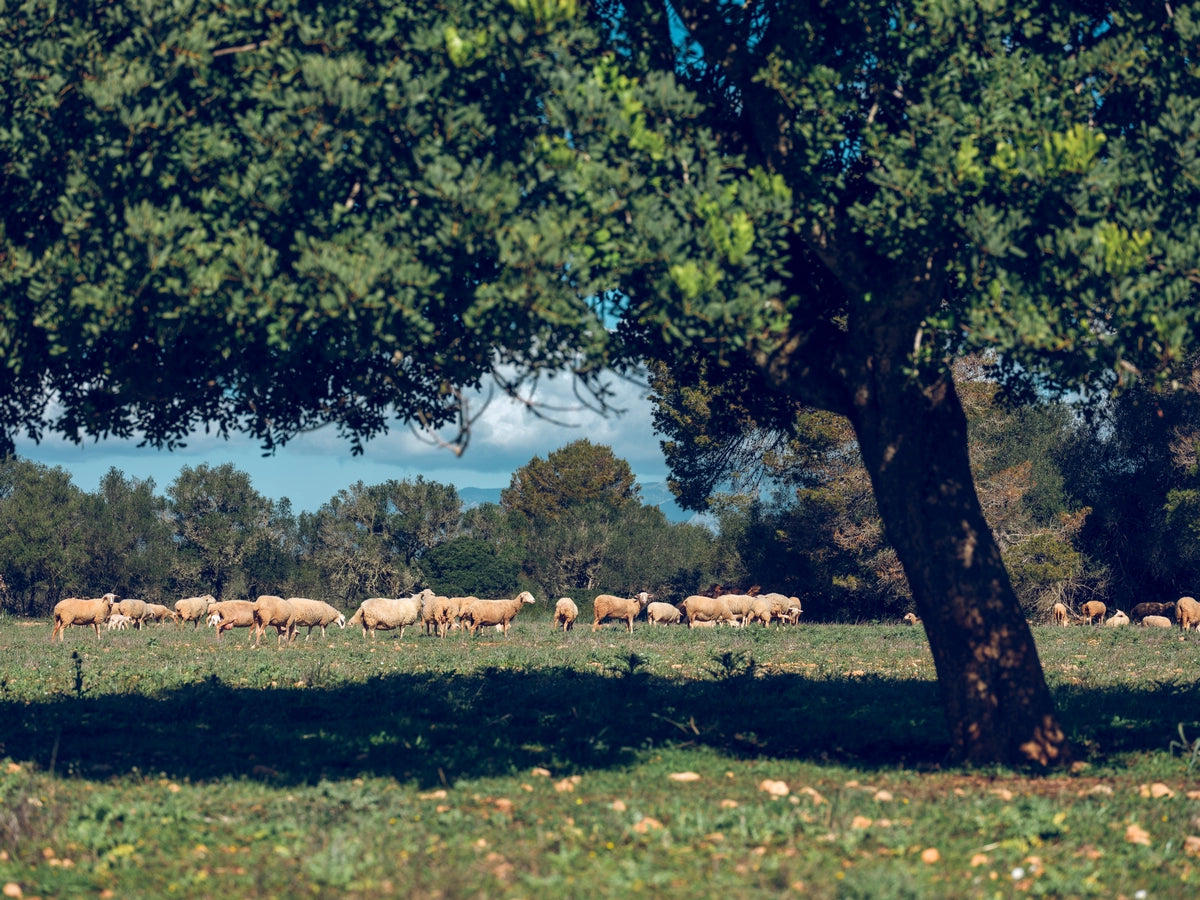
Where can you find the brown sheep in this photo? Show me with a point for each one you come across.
(269, 610)
(193, 609)
(1060, 615)
(911, 619)
(565, 614)
(1187, 613)
(76, 611)
(607, 606)
(160, 613)
(1093, 612)
(1150, 608)
(226, 615)
(499, 613)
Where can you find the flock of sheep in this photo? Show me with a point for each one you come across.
(437, 614)
(1185, 611)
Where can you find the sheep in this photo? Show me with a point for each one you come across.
(1187, 613)
(1150, 608)
(138, 610)
(314, 614)
(193, 609)
(739, 604)
(77, 611)
(225, 615)
(1060, 615)
(270, 609)
(785, 609)
(911, 619)
(1157, 622)
(118, 622)
(659, 613)
(158, 612)
(493, 612)
(1117, 619)
(440, 613)
(386, 613)
(565, 614)
(699, 609)
(606, 606)
(1093, 612)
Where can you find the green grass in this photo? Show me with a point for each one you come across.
(161, 763)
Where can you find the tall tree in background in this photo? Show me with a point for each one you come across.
(574, 475)
(381, 206)
(126, 538)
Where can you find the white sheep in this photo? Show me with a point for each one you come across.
(194, 609)
(1117, 619)
(77, 611)
(226, 615)
(499, 613)
(1060, 615)
(138, 610)
(312, 614)
(785, 609)
(1157, 622)
(739, 605)
(160, 613)
(1187, 613)
(761, 610)
(118, 622)
(659, 613)
(607, 606)
(386, 613)
(440, 614)
(565, 614)
(272, 610)
(700, 609)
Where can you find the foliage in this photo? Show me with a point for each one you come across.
(472, 566)
(576, 475)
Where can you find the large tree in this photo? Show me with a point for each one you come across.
(267, 218)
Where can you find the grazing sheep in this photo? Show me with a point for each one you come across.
(138, 610)
(1187, 613)
(739, 605)
(1150, 608)
(160, 613)
(270, 609)
(565, 614)
(194, 609)
(386, 613)
(1060, 615)
(1093, 612)
(440, 613)
(1157, 622)
(314, 614)
(606, 606)
(659, 613)
(226, 615)
(911, 619)
(76, 611)
(493, 612)
(699, 609)
(785, 609)
(1117, 619)
(118, 622)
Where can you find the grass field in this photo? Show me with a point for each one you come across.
(721, 762)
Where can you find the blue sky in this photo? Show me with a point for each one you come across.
(313, 467)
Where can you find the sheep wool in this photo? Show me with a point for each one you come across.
(659, 613)
(194, 609)
(565, 614)
(607, 606)
(499, 613)
(387, 613)
(77, 611)
(703, 611)
(312, 614)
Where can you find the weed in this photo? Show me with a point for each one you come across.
(1183, 745)
(78, 661)
(733, 666)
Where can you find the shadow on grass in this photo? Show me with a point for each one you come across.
(436, 730)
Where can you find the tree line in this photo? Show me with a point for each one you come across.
(1100, 506)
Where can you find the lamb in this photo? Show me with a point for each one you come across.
(1060, 615)
(225, 615)
(270, 609)
(1117, 619)
(118, 622)
(1150, 608)
(77, 611)
(494, 612)
(193, 609)
(565, 614)
(138, 610)
(440, 613)
(911, 619)
(1093, 612)
(1157, 622)
(699, 609)
(386, 613)
(606, 606)
(659, 613)
(1187, 613)
(314, 614)
(159, 613)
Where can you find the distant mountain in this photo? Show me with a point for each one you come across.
(654, 493)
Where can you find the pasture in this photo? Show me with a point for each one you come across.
(803, 761)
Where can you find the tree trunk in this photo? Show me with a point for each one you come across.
(913, 438)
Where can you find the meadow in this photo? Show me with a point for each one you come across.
(805, 761)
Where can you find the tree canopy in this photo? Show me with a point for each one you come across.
(262, 219)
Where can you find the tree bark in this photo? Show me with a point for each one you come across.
(913, 437)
